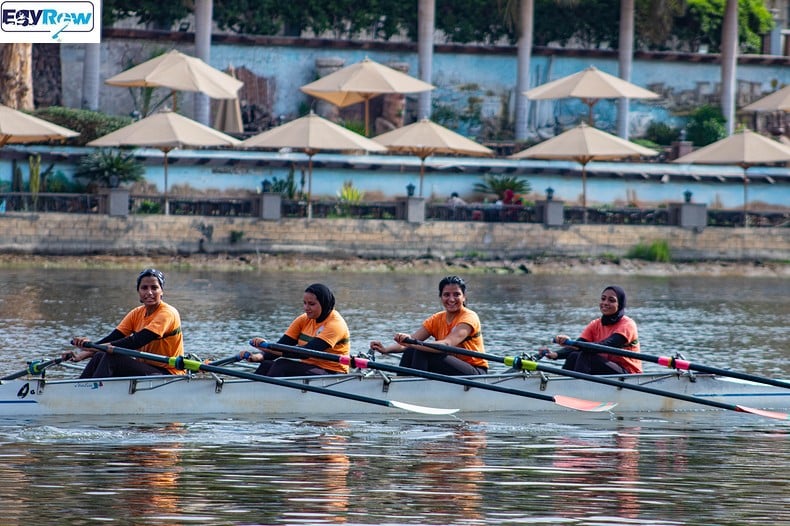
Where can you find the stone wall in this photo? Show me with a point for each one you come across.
(74, 234)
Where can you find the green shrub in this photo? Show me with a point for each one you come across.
(90, 124)
(706, 125)
(149, 207)
(109, 168)
(498, 184)
(656, 251)
(661, 133)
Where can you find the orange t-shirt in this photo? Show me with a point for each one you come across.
(437, 326)
(597, 331)
(333, 330)
(165, 322)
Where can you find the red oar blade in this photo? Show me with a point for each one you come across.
(762, 412)
(583, 405)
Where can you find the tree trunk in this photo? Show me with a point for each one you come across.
(729, 60)
(526, 11)
(626, 59)
(426, 22)
(203, 17)
(90, 77)
(16, 76)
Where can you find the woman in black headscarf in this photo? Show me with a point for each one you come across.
(320, 328)
(612, 329)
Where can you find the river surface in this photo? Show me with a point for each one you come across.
(697, 468)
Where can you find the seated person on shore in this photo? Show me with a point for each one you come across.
(456, 326)
(320, 328)
(612, 329)
(154, 327)
(454, 200)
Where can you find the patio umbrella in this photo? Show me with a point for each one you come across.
(744, 148)
(311, 134)
(776, 101)
(179, 72)
(590, 85)
(166, 131)
(361, 82)
(17, 127)
(425, 138)
(584, 144)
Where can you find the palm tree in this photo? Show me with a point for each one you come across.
(625, 51)
(16, 68)
(90, 77)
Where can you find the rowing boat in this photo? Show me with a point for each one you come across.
(210, 394)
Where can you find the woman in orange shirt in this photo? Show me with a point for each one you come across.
(613, 329)
(154, 327)
(456, 326)
(320, 328)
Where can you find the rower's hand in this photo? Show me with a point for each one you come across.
(561, 339)
(250, 356)
(79, 342)
(257, 341)
(401, 337)
(377, 346)
(75, 356)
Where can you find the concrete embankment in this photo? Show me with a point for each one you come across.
(85, 234)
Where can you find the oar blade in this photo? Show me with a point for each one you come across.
(581, 404)
(422, 409)
(763, 412)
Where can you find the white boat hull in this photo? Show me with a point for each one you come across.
(203, 395)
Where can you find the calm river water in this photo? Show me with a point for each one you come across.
(700, 468)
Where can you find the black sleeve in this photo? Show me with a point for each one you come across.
(137, 340)
(615, 340)
(565, 351)
(115, 335)
(316, 344)
(287, 340)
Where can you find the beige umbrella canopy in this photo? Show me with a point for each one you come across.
(312, 134)
(584, 144)
(590, 85)
(179, 72)
(361, 82)
(166, 131)
(228, 117)
(776, 101)
(425, 138)
(744, 148)
(17, 127)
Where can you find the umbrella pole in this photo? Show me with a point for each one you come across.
(167, 202)
(422, 173)
(367, 117)
(310, 186)
(745, 198)
(584, 193)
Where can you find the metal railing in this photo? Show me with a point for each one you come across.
(250, 206)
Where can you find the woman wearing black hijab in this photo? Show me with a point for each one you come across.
(320, 328)
(613, 329)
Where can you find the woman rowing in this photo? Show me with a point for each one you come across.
(613, 329)
(154, 327)
(320, 328)
(456, 326)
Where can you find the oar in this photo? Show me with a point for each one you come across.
(33, 368)
(528, 365)
(180, 362)
(361, 363)
(676, 363)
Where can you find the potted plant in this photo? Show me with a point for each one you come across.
(109, 169)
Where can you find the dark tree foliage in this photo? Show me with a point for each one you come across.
(660, 24)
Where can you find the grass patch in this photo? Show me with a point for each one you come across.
(656, 251)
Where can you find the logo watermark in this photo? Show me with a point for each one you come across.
(50, 22)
